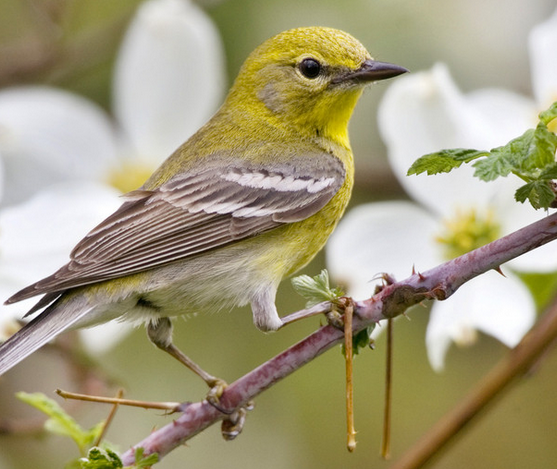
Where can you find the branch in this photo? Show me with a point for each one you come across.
(437, 283)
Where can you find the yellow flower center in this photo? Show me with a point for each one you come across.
(129, 176)
(467, 231)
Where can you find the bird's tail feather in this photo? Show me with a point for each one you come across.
(52, 321)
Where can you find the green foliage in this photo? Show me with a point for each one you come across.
(101, 459)
(106, 459)
(531, 157)
(60, 423)
(315, 289)
(361, 340)
(549, 114)
(538, 193)
(444, 161)
(542, 286)
(147, 461)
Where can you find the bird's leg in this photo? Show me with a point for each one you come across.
(160, 334)
(266, 318)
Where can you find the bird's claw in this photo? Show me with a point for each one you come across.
(213, 396)
(335, 319)
(233, 425)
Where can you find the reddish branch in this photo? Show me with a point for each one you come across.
(437, 283)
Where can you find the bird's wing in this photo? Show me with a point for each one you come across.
(205, 208)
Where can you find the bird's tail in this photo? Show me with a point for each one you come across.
(55, 319)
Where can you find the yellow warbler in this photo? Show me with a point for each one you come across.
(246, 201)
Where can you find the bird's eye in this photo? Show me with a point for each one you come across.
(310, 68)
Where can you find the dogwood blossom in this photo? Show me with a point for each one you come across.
(452, 213)
(169, 78)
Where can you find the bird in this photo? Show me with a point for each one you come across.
(245, 202)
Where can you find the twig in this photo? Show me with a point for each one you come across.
(437, 283)
(515, 364)
(349, 358)
(386, 442)
(168, 406)
(110, 417)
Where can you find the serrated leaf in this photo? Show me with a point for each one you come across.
(98, 458)
(542, 152)
(549, 114)
(550, 172)
(525, 155)
(444, 161)
(501, 161)
(59, 422)
(538, 193)
(315, 289)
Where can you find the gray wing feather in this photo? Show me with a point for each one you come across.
(195, 212)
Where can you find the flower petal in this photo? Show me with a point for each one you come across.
(423, 113)
(542, 259)
(49, 135)
(543, 61)
(379, 237)
(509, 114)
(169, 76)
(36, 237)
(499, 306)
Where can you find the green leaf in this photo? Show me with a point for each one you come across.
(550, 172)
(60, 423)
(315, 289)
(542, 153)
(147, 461)
(444, 161)
(98, 458)
(503, 160)
(538, 193)
(525, 155)
(360, 340)
(549, 114)
(542, 286)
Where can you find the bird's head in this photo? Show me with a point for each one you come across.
(308, 79)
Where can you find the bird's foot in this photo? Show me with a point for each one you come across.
(233, 425)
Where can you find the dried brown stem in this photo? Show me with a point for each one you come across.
(168, 406)
(110, 417)
(386, 442)
(349, 358)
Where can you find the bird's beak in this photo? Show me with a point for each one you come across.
(371, 70)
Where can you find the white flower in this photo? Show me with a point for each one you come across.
(169, 76)
(169, 79)
(49, 136)
(37, 235)
(422, 113)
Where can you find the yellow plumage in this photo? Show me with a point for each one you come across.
(246, 201)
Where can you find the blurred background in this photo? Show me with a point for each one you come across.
(299, 423)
